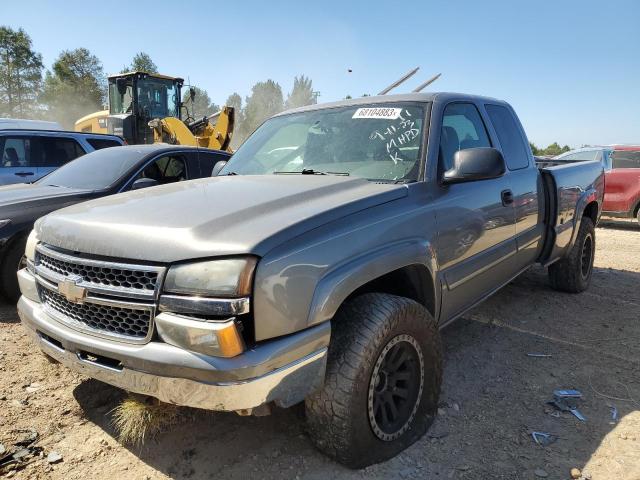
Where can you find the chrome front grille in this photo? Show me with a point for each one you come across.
(99, 275)
(128, 322)
(103, 298)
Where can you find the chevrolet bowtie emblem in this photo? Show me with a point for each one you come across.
(71, 289)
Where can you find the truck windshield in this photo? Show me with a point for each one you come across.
(380, 142)
(95, 171)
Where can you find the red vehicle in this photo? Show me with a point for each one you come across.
(622, 177)
(622, 183)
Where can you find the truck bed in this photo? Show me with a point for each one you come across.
(570, 187)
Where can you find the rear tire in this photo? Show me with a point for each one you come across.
(573, 273)
(9, 267)
(382, 383)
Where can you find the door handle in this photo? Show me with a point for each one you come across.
(507, 197)
(24, 174)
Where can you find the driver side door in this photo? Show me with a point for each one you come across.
(476, 226)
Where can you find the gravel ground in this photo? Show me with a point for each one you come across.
(494, 396)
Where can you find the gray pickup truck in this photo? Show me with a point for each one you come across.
(318, 266)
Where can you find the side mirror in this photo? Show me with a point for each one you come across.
(475, 164)
(144, 183)
(192, 94)
(217, 167)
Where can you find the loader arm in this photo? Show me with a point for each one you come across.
(214, 131)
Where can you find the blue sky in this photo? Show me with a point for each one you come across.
(570, 68)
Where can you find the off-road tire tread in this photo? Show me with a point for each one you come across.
(565, 275)
(359, 326)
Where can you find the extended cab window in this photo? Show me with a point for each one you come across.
(166, 169)
(462, 128)
(516, 153)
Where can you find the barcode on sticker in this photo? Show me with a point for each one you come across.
(380, 112)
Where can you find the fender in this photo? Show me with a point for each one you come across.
(340, 282)
(588, 196)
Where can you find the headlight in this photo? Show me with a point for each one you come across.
(230, 277)
(30, 249)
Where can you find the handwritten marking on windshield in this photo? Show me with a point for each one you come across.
(397, 136)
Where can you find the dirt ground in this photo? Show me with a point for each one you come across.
(493, 398)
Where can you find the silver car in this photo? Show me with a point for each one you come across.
(27, 155)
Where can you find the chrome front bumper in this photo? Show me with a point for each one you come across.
(283, 371)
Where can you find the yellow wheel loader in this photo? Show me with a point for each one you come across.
(147, 108)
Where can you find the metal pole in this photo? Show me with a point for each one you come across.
(427, 83)
(399, 81)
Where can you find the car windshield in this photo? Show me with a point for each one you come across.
(380, 142)
(96, 170)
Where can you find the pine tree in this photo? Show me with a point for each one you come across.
(20, 74)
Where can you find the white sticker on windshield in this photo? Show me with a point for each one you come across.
(380, 112)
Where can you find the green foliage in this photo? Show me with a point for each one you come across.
(141, 63)
(551, 151)
(74, 88)
(301, 94)
(20, 74)
(265, 100)
(202, 104)
(535, 150)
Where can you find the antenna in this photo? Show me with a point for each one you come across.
(420, 87)
(399, 81)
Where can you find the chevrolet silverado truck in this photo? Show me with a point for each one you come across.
(318, 266)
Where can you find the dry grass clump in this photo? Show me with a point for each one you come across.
(138, 418)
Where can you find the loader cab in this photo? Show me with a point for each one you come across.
(135, 98)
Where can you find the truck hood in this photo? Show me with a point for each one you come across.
(214, 216)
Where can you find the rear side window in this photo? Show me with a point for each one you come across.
(16, 152)
(99, 143)
(625, 159)
(513, 147)
(58, 151)
(462, 128)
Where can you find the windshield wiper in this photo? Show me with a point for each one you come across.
(311, 171)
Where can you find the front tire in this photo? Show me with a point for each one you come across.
(382, 383)
(573, 273)
(9, 266)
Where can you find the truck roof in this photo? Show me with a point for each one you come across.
(401, 97)
(139, 72)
